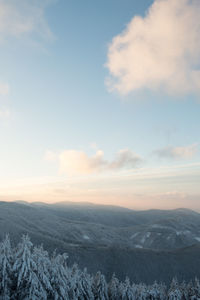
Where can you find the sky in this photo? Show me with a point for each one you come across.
(100, 102)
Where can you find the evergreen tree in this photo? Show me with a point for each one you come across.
(28, 286)
(142, 292)
(174, 292)
(157, 291)
(5, 268)
(125, 290)
(59, 274)
(74, 283)
(81, 284)
(184, 290)
(99, 287)
(85, 286)
(32, 275)
(197, 288)
(42, 269)
(113, 287)
(191, 291)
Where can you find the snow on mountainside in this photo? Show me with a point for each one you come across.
(111, 239)
(85, 223)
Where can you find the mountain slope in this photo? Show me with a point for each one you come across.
(111, 239)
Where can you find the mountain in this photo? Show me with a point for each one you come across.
(110, 238)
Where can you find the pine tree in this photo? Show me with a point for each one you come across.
(184, 291)
(59, 274)
(32, 275)
(81, 284)
(142, 292)
(99, 287)
(5, 268)
(191, 291)
(43, 266)
(197, 288)
(74, 283)
(125, 290)
(135, 291)
(85, 286)
(157, 291)
(113, 287)
(174, 292)
(27, 284)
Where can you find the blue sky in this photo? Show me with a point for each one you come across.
(99, 105)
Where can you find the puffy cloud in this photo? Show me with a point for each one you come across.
(186, 152)
(19, 18)
(73, 161)
(4, 89)
(124, 159)
(80, 162)
(159, 51)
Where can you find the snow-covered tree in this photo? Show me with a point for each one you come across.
(197, 288)
(99, 287)
(74, 283)
(191, 291)
(59, 274)
(174, 292)
(142, 292)
(81, 284)
(28, 285)
(28, 273)
(113, 287)
(157, 291)
(85, 286)
(5, 268)
(125, 290)
(42, 269)
(184, 291)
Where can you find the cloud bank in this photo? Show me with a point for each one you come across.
(19, 18)
(78, 162)
(186, 152)
(159, 51)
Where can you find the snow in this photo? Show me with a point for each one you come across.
(28, 272)
(138, 246)
(147, 235)
(182, 232)
(179, 232)
(160, 226)
(134, 235)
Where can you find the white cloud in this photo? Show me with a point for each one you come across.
(21, 18)
(79, 162)
(4, 89)
(124, 159)
(186, 152)
(159, 51)
(73, 161)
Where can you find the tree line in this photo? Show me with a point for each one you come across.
(28, 272)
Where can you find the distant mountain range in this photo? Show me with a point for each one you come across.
(110, 238)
